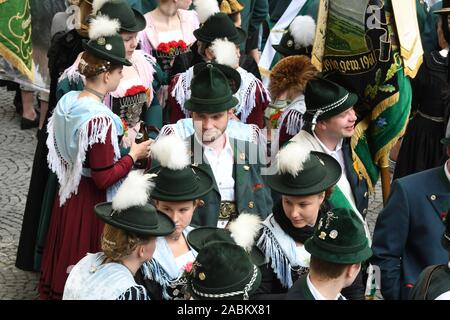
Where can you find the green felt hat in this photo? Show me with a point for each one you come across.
(302, 172)
(109, 48)
(176, 178)
(446, 235)
(141, 220)
(223, 271)
(202, 236)
(339, 237)
(233, 76)
(298, 38)
(185, 184)
(130, 19)
(210, 91)
(219, 26)
(130, 210)
(287, 48)
(325, 99)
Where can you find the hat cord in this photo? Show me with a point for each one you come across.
(247, 288)
(325, 109)
(314, 119)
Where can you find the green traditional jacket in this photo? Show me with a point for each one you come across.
(252, 195)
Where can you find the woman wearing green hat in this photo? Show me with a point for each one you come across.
(132, 100)
(128, 240)
(304, 180)
(84, 154)
(178, 189)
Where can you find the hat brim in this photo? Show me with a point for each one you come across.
(443, 10)
(337, 257)
(165, 224)
(205, 185)
(201, 36)
(282, 50)
(255, 286)
(333, 173)
(287, 52)
(229, 72)
(211, 108)
(197, 239)
(140, 25)
(103, 55)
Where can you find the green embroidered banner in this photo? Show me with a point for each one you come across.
(15, 35)
(359, 50)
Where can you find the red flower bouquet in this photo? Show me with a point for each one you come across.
(135, 90)
(171, 49)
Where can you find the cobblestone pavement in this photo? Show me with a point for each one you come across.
(16, 158)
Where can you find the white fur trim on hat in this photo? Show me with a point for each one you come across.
(97, 5)
(291, 158)
(303, 29)
(171, 152)
(134, 191)
(103, 26)
(225, 52)
(245, 229)
(205, 9)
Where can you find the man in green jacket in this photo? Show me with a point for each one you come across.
(234, 164)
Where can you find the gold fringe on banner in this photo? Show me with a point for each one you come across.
(360, 129)
(383, 105)
(16, 62)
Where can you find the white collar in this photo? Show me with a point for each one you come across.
(317, 295)
(227, 148)
(447, 173)
(328, 151)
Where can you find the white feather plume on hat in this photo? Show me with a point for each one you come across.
(303, 29)
(97, 5)
(171, 152)
(292, 157)
(103, 26)
(245, 229)
(225, 52)
(205, 9)
(134, 191)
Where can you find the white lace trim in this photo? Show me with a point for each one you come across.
(247, 94)
(294, 113)
(69, 174)
(182, 89)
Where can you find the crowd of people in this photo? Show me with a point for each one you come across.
(210, 206)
